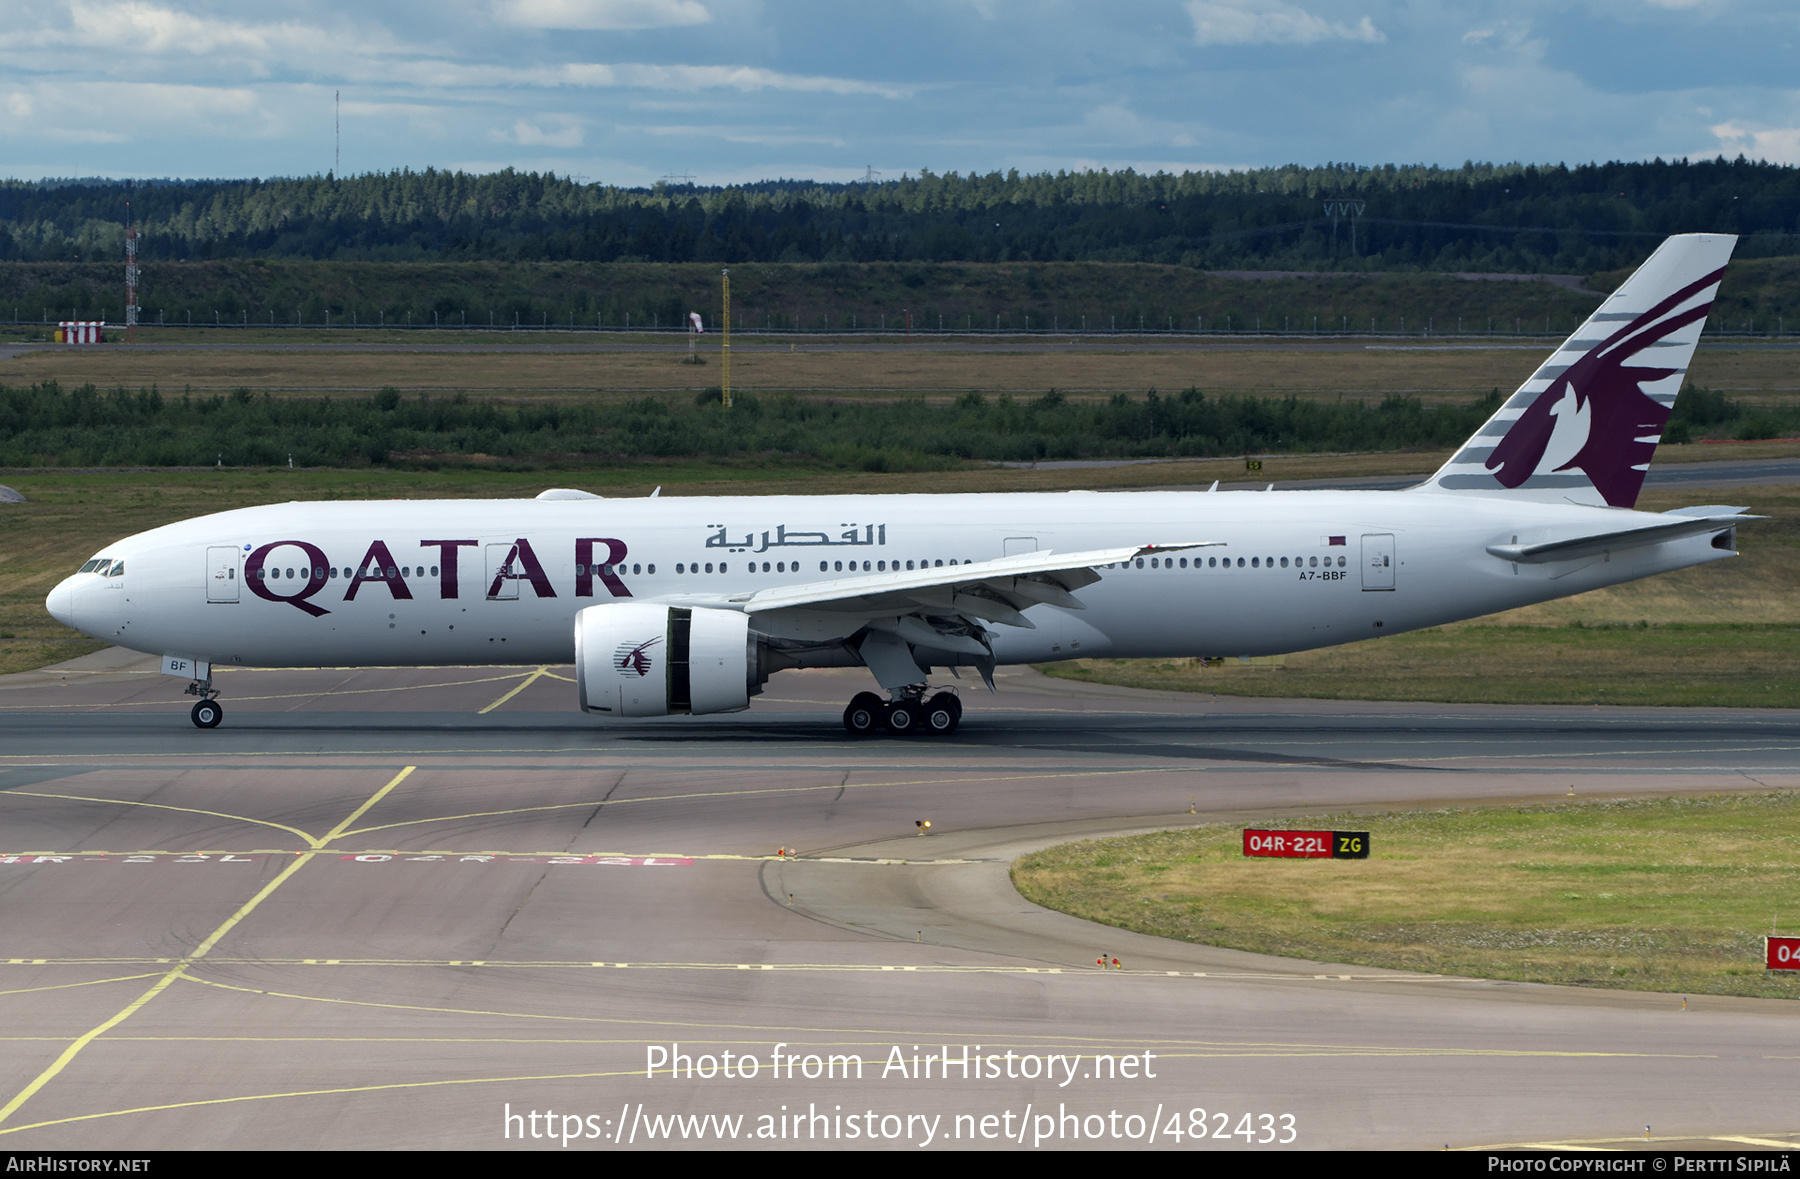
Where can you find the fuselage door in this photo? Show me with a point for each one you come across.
(222, 573)
(1016, 545)
(502, 576)
(1378, 561)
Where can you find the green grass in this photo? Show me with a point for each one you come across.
(45, 425)
(1663, 895)
(1721, 665)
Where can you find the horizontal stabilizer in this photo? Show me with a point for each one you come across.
(1592, 545)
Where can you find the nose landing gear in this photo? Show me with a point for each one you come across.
(909, 712)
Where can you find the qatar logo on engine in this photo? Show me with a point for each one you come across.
(634, 658)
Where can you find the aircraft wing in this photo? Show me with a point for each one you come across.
(998, 590)
(943, 611)
(1573, 548)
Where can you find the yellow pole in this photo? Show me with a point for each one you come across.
(725, 386)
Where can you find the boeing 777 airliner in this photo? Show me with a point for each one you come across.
(689, 605)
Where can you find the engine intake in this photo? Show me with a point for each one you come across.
(641, 659)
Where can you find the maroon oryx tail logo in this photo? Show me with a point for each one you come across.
(634, 658)
(1596, 416)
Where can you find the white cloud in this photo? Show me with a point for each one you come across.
(1778, 145)
(391, 110)
(137, 39)
(453, 75)
(1271, 22)
(565, 133)
(601, 14)
(105, 111)
(1115, 123)
(746, 78)
(1505, 35)
(739, 135)
(152, 30)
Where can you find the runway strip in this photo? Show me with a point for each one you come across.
(401, 908)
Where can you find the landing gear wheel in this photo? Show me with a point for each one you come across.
(863, 716)
(902, 717)
(941, 715)
(207, 714)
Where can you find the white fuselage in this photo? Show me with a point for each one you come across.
(289, 584)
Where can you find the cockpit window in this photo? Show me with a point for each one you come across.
(117, 570)
(92, 565)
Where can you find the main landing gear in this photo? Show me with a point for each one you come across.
(907, 713)
(208, 713)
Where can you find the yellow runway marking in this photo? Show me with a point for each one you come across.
(1500, 759)
(119, 1113)
(1074, 1052)
(769, 967)
(1167, 1051)
(529, 680)
(1755, 1141)
(439, 853)
(92, 982)
(282, 695)
(691, 795)
(884, 1036)
(1637, 1143)
(751, 793)
(199, 952)
(161, 806)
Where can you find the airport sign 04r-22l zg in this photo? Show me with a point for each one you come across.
(1307, 845)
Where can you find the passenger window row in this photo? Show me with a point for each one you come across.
(824, 566)
(607, 570)
(367, 572)
(1225, 563)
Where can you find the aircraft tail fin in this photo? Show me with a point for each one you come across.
(1584, 427)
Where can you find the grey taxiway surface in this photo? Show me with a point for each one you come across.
(390, 907)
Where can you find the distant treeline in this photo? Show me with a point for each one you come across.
(46, 426)
(834, 296)
(1513, 218)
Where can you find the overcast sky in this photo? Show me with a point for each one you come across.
(628, 91)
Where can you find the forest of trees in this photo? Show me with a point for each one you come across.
(48, 426)
(1480, 217)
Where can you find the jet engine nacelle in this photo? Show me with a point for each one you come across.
(641, 659)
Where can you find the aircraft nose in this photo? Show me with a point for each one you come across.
(61, 603)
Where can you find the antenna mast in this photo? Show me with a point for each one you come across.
(725, 385)
(131, 278)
